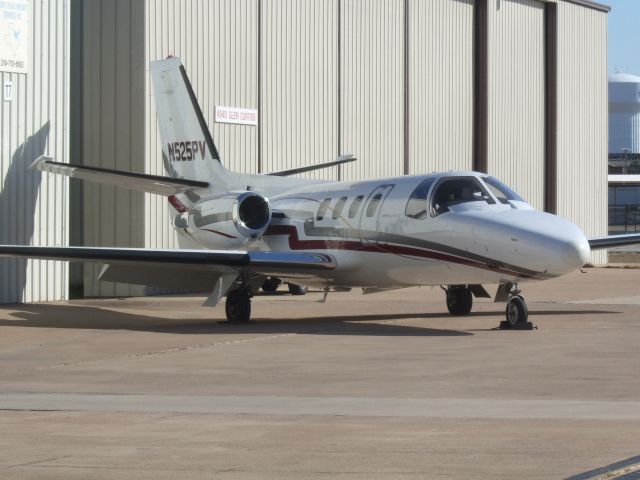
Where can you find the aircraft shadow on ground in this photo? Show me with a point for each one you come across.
(96, 318)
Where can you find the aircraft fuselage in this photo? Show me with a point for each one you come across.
(380, 238)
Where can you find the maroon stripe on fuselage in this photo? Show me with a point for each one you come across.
(355, 245)
(177, 204)
(218, 232)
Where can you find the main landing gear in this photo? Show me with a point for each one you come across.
(271, 284)
(238, 304)
(459, 299)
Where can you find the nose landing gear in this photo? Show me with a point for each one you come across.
(517, 313)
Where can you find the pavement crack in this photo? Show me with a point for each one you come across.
(35, 463)
(184, 348)
(214, 344)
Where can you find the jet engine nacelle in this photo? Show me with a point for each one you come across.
(229, 221)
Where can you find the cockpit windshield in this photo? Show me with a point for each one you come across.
(456, 191)
(501, 191)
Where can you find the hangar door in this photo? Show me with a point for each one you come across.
(440, 53)
(516, 96)
(371, 87)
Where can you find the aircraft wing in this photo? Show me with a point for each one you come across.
(226, 261)
(135, 181)
(614, 241)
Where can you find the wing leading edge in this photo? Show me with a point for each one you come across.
(614, 241)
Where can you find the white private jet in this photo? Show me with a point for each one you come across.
(456, 230)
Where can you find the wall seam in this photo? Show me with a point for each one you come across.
(480, 91)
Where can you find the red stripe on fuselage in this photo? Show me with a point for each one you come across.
(219, 233)
(177, 204)
(354, 245)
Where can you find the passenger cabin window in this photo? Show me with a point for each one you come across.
(417, 206)
(322, 209)
(337, 210)
(455, 191)
(501, 191)
(355, 205)
(373, 204)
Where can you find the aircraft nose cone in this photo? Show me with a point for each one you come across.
(565, 246)
(573, 251)
(545, 243)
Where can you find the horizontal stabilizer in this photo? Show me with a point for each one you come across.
(614, 241)
(134, 181)
(341, 160)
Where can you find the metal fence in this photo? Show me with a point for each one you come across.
(624, 218)
(624, 163)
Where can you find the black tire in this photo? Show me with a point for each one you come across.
(238, 306)
(516, 311)
(459, 300)
(297, 289)
(271, 284)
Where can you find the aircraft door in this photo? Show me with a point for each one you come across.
(370, 214)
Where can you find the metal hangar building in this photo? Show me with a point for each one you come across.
(516, 88)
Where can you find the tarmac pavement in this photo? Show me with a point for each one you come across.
(377, 386)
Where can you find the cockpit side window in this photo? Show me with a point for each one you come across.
(455, 191)
(417, 206)
(501, 191)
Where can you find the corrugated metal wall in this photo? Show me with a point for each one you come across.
(218, 45)
(516, 96)
(440, 85)
(372, 87)
(113, 132)
(328, 78)
(299, 82)
(582, 119)
(33, 207)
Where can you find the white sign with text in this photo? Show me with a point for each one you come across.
(240, 116)
(14, 36)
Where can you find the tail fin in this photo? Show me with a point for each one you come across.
(187, 144)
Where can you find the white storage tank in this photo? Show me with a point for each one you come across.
(624, 113)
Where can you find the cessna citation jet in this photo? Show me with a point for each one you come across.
(456, 230)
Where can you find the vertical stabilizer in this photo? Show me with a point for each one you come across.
(187, 144)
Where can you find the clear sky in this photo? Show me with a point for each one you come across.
(624, 36)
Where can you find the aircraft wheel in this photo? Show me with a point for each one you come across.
(271, 284)
(238, 305)
(297, 289)
(459, 300)
(517, 312)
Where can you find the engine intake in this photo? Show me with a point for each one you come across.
(228, 221)
(251, 214)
